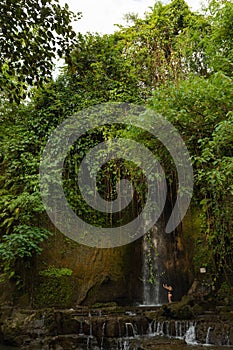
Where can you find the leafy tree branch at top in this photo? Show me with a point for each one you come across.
(32, 34)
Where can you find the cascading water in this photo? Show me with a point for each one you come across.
(130, 329)
(80, 327)
(174, 329)
(190, 335)
(207, 339)
(154, 262)
(159, 328)
(102, 337)
(151, 290)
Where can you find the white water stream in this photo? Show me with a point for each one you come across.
(151, 291)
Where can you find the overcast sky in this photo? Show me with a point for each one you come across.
(101, 15)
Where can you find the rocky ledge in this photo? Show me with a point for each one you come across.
(104, 327)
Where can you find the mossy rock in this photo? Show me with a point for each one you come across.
(112, 304)
(154, 314)
(181, 310)
(54, 292)
(197, 310)
(185, 312)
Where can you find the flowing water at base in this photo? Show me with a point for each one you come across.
(194, 347)
(149, 346)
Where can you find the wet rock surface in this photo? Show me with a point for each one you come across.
(155, 343)
(111, 328)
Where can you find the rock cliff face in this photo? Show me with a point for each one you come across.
(173, 262)
(102, 275)
(98, 275)
(116, 274)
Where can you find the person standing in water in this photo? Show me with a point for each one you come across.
(169, 294)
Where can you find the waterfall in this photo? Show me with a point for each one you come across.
(207, 339)
(190, 335)
(42, 321)
(91, 335)
(167, 330)
(177, 329)
(150, 327)
(40, 326)
(123, 343)
(126, 345)
(129, 326)
(80, 327)
(103, 334)
(159, 328)
(181, 328)
(151, 289)
(172, 329)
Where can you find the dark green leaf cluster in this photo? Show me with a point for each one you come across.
(201, 109)
(23, 242)
(32, 34)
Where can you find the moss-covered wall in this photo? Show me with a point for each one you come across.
(104, 275)
(98, 275)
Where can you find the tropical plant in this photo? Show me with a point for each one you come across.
(32, 35)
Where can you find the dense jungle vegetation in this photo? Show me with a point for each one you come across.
(177, 62)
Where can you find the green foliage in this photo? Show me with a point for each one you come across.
(100, 71)
(21, 208)
(54, 291)
(32, 34)
(151, 44)
(23, 242)
(52, 271)
(206, 43)
(219, 46)
(195, 105)
(108, 177)
(176, 61)
(224, 293)
(201, 109)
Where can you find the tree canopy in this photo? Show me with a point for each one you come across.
(32, 35)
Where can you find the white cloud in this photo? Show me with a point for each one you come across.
(101, 15)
